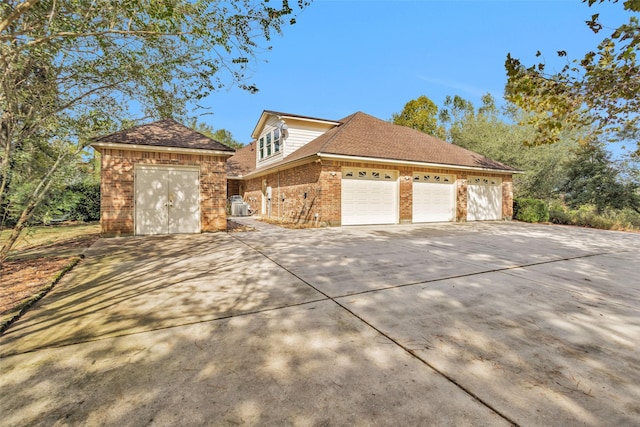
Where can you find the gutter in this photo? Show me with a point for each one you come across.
(413, 163)
(159, 148)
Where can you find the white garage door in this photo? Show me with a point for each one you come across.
(167, 200)
(369, 196)
(434, 197)
(484, 199)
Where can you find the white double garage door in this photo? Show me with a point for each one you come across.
(371, 196)
(167, 199)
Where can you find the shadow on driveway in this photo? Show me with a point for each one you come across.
(455, 324)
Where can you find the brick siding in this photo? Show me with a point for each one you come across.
(321, 181)
(117, 187)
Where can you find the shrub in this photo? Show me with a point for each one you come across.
(87, 202)
(530, 210)
(588, 216)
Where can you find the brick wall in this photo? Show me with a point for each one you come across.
(295, 193)
(322, 184)
(507, 197)
(117, 187)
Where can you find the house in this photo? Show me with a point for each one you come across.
(363, 170)
(162, 178)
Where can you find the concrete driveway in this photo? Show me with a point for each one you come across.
(447, 324)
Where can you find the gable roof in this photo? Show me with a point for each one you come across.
(363, 136)
(266, 113)
(165, 133)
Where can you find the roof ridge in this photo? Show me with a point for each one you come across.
(340, 128)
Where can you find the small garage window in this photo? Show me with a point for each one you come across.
(433, 178)
(369, 174)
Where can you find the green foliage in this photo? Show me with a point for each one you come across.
(496, 135)
(420, 114)
(221, 135)
(588, 216)
(68, 68)
(592, 179)
(86, 206)
(599, 91)
(530, 210)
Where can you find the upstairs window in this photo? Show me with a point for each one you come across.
(268, 144)
(276, 140)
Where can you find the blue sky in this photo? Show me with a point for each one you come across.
(373, 56)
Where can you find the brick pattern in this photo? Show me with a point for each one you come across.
(322, 184)
(507, 197)
(117, 187)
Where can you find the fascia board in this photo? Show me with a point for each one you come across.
(413, 163)
(155, 148)
(277, 168)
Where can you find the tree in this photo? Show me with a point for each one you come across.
(496, 134)
(593, 179)
(221, 135)
(420, 114)
(68, 68)
(600, 91)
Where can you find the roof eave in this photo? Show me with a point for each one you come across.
(330, 156)
(278, 167)
(180, 150)
(266, 113)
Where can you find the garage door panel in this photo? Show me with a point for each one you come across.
(184, 202)
(151, 198)
(484, 199)
(370, 201)
(433, 202)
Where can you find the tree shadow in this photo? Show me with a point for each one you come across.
(545, 334)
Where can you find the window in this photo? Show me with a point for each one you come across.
(268, 144)
(261, 148)
(276, 140)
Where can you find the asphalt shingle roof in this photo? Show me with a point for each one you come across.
(164, 133)
(243, 162)
(362, 135)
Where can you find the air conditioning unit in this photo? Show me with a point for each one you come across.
(239, 209)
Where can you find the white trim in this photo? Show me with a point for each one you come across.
(156, 148)
(411, 163)
(155, 166)
(267, 169)
(263, 119)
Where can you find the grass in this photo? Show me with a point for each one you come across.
(49, 235)
(37, 262)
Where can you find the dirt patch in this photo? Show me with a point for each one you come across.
(286, 224)
(25, 278)
(234, 227)
(30, 272)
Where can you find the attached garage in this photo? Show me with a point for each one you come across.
(167, 200)
(484, 199)
(369, 196)
(361, 170)
(434, 197)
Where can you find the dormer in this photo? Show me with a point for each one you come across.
(277, 135)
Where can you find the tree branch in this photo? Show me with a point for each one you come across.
(19, 10)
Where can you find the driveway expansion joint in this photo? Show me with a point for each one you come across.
(391, 339)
